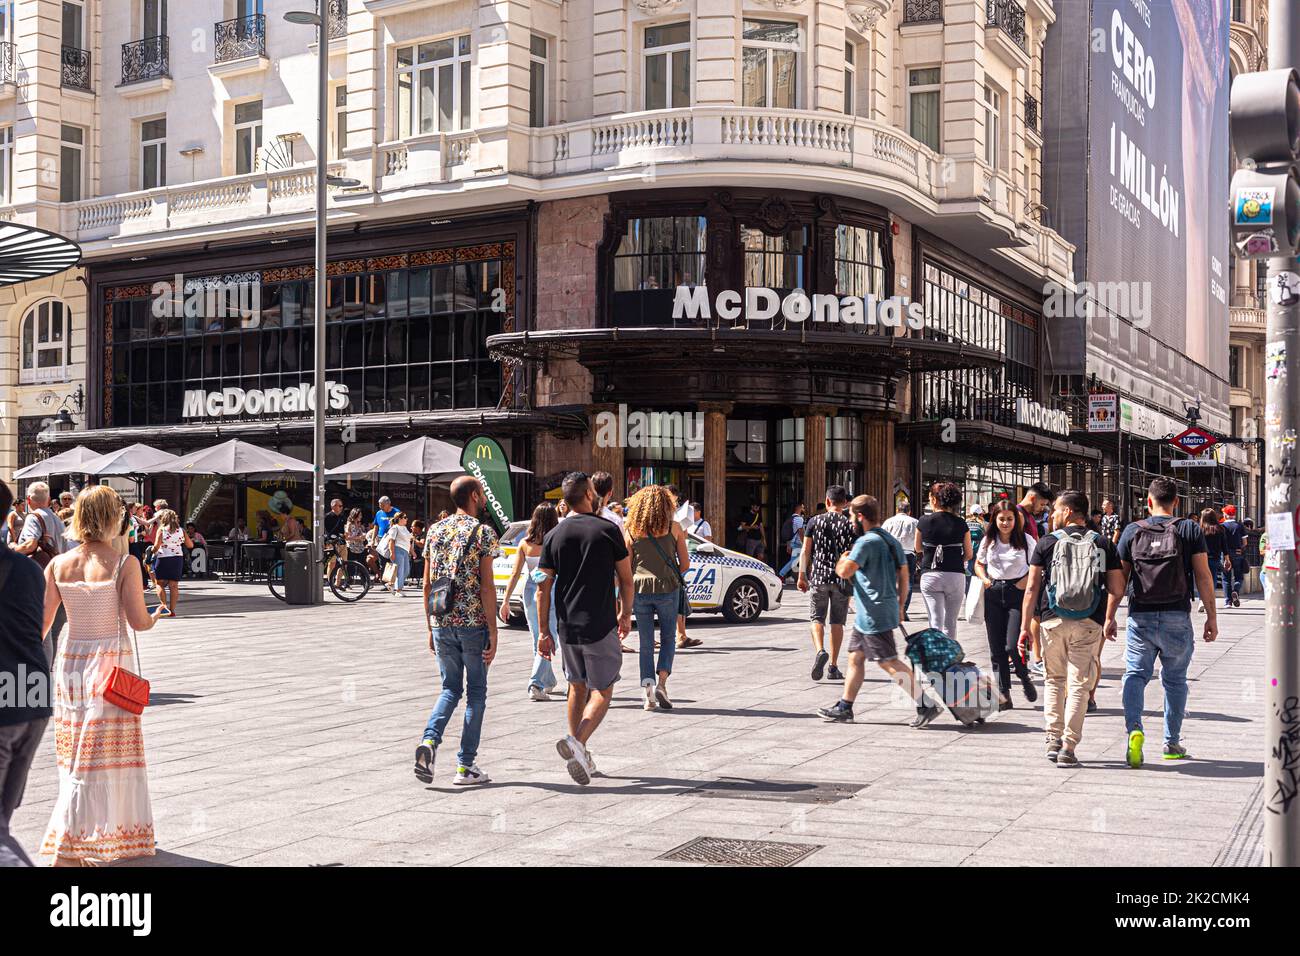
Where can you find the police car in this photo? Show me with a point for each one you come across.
(719, 580)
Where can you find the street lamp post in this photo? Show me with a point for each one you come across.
(318, 20)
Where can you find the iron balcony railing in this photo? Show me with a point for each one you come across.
(1031, 113)
(144, 60)
(1009, 17)
(922, 11)
(241, 37)
(337, 18)
(76, 68)
(8, 63)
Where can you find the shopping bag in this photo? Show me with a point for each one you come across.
(973, 609)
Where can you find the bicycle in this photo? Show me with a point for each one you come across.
(349, 580)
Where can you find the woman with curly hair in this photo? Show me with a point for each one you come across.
(659, 556)
(943, 540)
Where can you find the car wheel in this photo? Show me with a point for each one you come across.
(517, 619)
(744, 601)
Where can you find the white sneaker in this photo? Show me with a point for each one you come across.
(469, 776)
(648, 689)
(575, 755)
(591, 762)
(536, 693)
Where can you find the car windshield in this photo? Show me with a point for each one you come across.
(514, 533)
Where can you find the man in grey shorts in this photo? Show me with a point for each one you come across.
(826, 536)
(581, 557)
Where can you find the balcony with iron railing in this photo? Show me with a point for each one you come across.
(8, 63)
(1009, 17)
(923, 11)
(1031, 113)
(75, 69)
(145, 59)
(240, 38)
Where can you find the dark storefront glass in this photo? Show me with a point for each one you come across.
(654, 257)
(402, 340)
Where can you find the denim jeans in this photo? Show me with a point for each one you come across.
(1226, 579)
(460, 660)
(644, 608)
(403, 561)
(543, 674)
(1168, 635)
(792, 563)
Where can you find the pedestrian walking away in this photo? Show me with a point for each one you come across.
(1164, 559)
(792, 539)
(42, 538)
(169, 542)
(826, 536)
(541, 681)
(659, 558)
(1218, 553)
(943, 539)
(903, 527)
(103, 813)
(22, 719)
(1002, 567)
(460, 609)
(683, 641)
(580, 559)
(878, 572)
(1075, 587)
(1236, 548)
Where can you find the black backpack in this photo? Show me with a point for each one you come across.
(787, 530)
(1156, 553)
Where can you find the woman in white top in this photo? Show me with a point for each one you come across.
(396, 547)
(1002, 564)
(169, 543)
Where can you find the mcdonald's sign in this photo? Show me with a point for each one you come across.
(486, 460)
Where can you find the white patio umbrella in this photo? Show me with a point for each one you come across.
(132, 461)
(70, 462)
(234, 458)
(421, 457)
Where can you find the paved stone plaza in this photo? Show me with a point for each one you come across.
(285, 736)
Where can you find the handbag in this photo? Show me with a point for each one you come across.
(44, 553)
(683, 599)
(442, 592)
(124, 688)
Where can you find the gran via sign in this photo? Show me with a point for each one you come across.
(229, 402)
(759, 304)
(1054, 420)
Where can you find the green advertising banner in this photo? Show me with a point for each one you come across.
(485, 459)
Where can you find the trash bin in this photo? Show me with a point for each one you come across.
(299, 570)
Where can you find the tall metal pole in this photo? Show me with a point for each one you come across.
(318, 416)
(1282, 674)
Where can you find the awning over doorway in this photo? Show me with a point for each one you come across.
(28, 253)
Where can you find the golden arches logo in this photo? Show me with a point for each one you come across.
(483, 451)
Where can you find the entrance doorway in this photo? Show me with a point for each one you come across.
(745, 488)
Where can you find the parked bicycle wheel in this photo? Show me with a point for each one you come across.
(275, 579)
(350, 582)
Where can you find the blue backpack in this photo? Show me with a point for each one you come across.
(932, 651)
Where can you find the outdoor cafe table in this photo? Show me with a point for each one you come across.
(256, 556)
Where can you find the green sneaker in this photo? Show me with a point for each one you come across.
(1175, 752)
(1135, 741)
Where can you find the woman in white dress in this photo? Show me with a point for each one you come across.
(102, 813)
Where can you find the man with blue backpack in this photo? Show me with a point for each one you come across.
(1076, 583)
(1163, 559)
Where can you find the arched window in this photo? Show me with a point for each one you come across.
(46, 335)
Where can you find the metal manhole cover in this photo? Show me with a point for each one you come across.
(718, 851)
(787, 791)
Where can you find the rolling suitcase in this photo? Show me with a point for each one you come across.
(967, 693)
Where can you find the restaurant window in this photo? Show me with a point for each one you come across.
(248, 136)
(46, 335)
(538, 49)
(72, 162)
(411, 339)
(668, 66)
(654, 256)
(774, 261)
(433, 86)
(153, 153)
(746, 441)
(859, 261)
(770, 67)
(923, 105)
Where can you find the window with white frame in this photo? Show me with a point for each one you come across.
(850, 75)
(7, 21)
(72, 162)
(340, 120)
(992, 125)
(46, 335)
(6, 164)
(153, 153)
(668, 66)
(770, 70)
(74, 18)
(923, 105)
(433, 86)
(248, 136)
(538, 55)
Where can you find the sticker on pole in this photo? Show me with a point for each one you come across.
(1275, 363)
(1257, 244)
(1281, 531)
(1254, 207)
(1284, 288)
(1194, 441)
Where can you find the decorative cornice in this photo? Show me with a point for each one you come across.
(780, 4)
(865, 14)
(654, 7)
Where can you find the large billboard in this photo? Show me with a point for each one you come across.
(1158, 169)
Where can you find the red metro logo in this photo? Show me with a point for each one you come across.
(1194, 441)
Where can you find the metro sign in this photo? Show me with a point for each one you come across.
(1194, 441)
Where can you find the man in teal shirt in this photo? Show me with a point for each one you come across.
(878, 569)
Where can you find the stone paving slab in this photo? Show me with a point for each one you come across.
(284, 736)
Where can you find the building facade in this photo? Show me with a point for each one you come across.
(548, 192)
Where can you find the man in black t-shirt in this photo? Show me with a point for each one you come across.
(1069, 643)
(826, 537)
(581, 557)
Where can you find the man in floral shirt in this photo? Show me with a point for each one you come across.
(465, 637)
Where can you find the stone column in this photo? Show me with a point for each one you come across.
(607, 456)
(715, 467)
(878, 452)
(814, 455)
